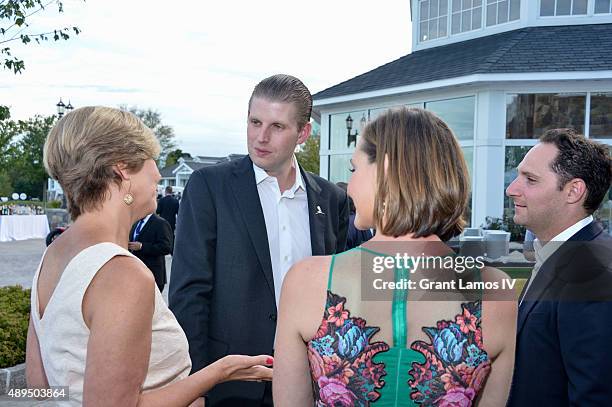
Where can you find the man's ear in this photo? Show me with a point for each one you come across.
(576, 190)
(304, 133)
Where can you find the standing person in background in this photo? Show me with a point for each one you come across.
(241, 225)
(151, 239)
(168, 207)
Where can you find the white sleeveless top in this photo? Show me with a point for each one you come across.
(63, 335)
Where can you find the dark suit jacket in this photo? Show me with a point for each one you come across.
(356, 236)
(221, 285)
(168, 208)
(157, 239)
(565, 327)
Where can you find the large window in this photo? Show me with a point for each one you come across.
(338, 131)
(433, 19)
(458, 114)
(502, 11)
(339, 165)
(528, 116)
(601, 115)
(563, 7)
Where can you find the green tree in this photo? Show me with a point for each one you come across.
(153, 120)
(6, 187)
(173, 156)
(26, 168)
(15, 27)
(308, 156)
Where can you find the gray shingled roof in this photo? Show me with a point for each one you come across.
(531, 49)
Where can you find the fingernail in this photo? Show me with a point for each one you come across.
(269, 361)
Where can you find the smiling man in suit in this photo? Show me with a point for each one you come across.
(565, 312)
(241, 226)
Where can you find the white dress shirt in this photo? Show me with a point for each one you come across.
(144, 222)
(543, 252)
(287, 222)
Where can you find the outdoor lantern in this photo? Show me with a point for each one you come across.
(363, 121)
(69, 107)
(349, 122)
(350, 137)
(61, 108)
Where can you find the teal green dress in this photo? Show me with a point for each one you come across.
(350, 368)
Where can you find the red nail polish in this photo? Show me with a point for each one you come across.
(269, 361)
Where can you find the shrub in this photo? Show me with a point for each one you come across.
(14, 318)
(54, 204)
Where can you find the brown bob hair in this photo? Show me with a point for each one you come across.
(423, 183)
(84, 145)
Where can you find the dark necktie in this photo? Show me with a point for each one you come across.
(138, 229)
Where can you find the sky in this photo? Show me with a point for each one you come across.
(196, 62)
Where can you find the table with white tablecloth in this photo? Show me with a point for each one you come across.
(22, 227)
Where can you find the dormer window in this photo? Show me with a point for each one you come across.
(556, 8)
(441, 18)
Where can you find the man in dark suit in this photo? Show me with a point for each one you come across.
(565, 312)
(151, 239)
(241, 226)
(168, 207)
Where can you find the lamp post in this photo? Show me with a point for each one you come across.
(61, 108)
(350, 137)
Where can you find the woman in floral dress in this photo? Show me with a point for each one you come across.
(368, 327)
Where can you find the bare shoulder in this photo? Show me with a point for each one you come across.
(122, 283)
(310, 272)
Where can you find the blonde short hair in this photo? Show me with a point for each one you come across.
(426, 185)
(84, 145)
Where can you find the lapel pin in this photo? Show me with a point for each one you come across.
(319, 211)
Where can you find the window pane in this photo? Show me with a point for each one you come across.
(466, 21)
(456, 26)
(477, 3)
(602, 6)
(433, 8)
(491, 14)
(468, 154)
(424, 10)
(423, 30)
(339, 168)
(579, 7)
(530, 115)
(515, 10)
(433, 29)
(514, 156)
(467, 4)
(601, 116)
(547, 8)
(443, 27)
(457, 113)
(443, 7)
(563, 7)
(456, 5)
(337, 128)
(502, 12)
(476, 18)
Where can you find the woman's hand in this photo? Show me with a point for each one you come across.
(245, 368)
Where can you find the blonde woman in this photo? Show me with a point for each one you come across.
(98, 322)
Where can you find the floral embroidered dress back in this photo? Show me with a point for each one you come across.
(360, 355)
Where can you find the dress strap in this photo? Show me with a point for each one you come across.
(398, 309)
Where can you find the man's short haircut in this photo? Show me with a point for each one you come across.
(169, 189)
(286, 89)
(425, 188)
(581, 158)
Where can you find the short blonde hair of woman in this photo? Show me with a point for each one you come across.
(84, 145)
(425, 189)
